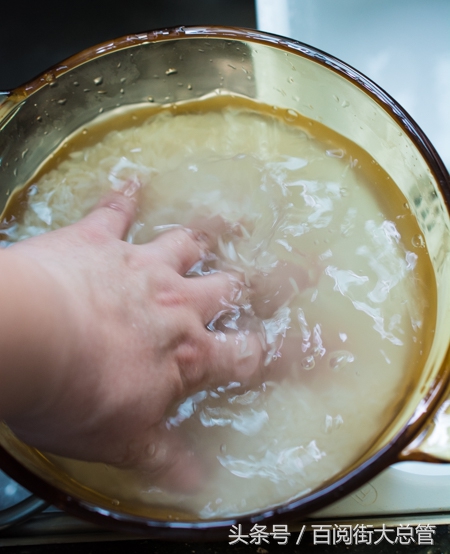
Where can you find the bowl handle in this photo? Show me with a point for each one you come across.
(433, 444)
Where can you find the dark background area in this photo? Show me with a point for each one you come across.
(36, 35)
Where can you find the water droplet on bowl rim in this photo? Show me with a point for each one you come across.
(291, 115)
(418, 241)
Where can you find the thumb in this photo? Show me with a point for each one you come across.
(114, 214)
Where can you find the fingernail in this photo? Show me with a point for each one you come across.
(130, 187)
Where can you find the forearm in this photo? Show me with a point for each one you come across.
(33, 341)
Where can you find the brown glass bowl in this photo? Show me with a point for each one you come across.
(185, 63)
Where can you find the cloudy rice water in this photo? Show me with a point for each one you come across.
(342, 346)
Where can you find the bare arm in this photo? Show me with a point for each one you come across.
(35, 346)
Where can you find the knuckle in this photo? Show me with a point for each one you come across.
(116, 205)
(196, 241)
(188, 358)
(92, 233)
(116, 201)
(171, 296)
(200, 237)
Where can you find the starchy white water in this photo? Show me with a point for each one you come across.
(340, 344)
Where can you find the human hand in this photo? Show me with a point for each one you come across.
(126, 337)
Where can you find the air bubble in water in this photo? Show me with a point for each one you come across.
(337, 153)
(308, 363)
(171, 71)
(339, 359)
(418, 241)
(62, 101)
(98, 81)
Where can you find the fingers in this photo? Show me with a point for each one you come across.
(270, 291)
(237, 357)
(184, 247)
(114, 214)
(215, 293)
